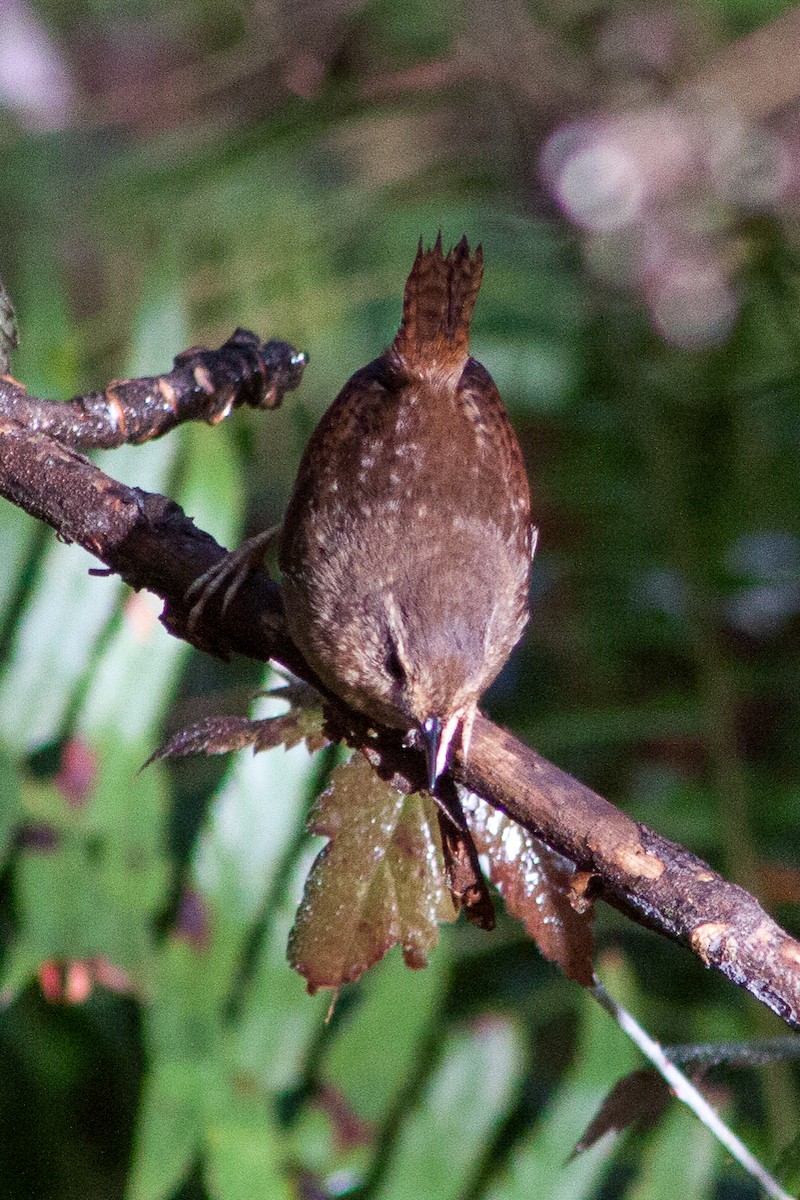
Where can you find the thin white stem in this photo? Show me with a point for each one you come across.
(685, 1090)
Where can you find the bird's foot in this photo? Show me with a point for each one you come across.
(228, 574)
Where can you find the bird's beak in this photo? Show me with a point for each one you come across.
(436, 737)
(431, 738)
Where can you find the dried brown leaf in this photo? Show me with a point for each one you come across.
(536, 886)
(468, 887)
(379, 882)
(221, 735)
(638, 1099)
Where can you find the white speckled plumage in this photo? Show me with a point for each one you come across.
(406, 545)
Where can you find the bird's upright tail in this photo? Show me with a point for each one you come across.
(439, 299)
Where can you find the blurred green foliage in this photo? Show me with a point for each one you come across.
(185, 169)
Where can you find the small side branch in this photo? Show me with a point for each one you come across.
(203, 385)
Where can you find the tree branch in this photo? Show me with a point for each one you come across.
(203, 385)
(149, 541)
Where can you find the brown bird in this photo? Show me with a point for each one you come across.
(406, 547)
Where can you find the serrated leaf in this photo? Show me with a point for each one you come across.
(379, 882)
(535, 884)
(221, 734)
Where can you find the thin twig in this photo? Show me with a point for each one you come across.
(686, 1092)
(203, 385)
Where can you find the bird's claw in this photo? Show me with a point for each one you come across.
(228, 573)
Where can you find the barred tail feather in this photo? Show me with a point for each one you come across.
(438, 303)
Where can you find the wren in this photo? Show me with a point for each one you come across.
(406, 548)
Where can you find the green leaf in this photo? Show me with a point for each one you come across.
(254, 820)
(170, 1126)
(91, 881)
(243, 1150)
(47, 360)
(279, 1022)
(56, 641)
(396, 1003)
(135, 672)
(379, 882)
(71, 907)
(18, 532)
(442, 1139)
(540, 1166)
(680, 1160)
(53, 645)
(788, 1166)
(10, 803)
(186, 1071)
